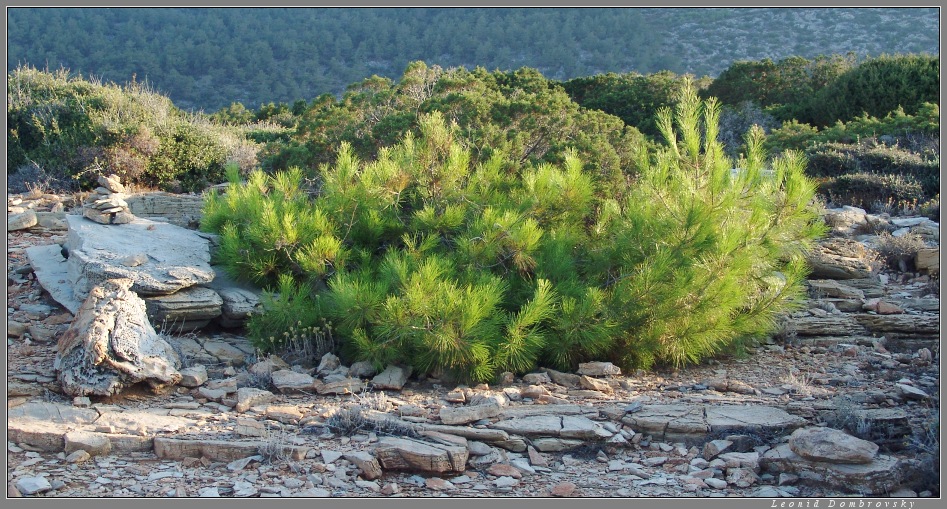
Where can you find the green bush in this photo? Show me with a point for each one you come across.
(783, 88)
(74, 130)
(519, 113)
(826, 90)
(866, 189)
(876, 87)
(904, 168)
(632, 97)
(904, 129)
(469, 267)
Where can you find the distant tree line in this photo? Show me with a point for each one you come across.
(205, 58)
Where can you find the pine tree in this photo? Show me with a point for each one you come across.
(466, 270)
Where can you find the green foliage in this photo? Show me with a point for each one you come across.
(705, 256)
(468, 266)
(632, 97)
(784, 87)
(827, 90)
(876, 87)
(794, 135)
(867, 189)
(868, 159)
(268, 228)
(893, 165)
(518, 113)
(76, 129)
(208, 58)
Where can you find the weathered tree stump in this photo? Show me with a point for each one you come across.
(111, 345)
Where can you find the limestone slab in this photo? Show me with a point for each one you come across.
(751, 418)
(288, 381)
(185, 310)
(21, 221)
(535, 425)
(528, 410)
(52, 272)
(662, 421)
(407, 454)
(393, 377)
(217, 450)
(831, 445)
(177, 258)
(881, 475)
(182, 210)
(465, 414)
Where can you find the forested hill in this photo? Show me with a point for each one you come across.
(208, 58)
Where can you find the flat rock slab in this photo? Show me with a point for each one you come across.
(218, 450)
(52, 413)
(406, 454)
(928, 260)
(465, 414)
(287, 381)
(905, 324)
(225, 352)
(21, 221)
(882, 475)
(185, 310)
(831, 325)
(683, 421)
(820, 288)
(174, 258)
(831, 445)
(52, 272)
(183, 210)
(483, 435)
(148, 423)
(240, 300)
(751, 418)
(569, 426)
(393, 377)
(44, 425)
(839, 259)
(528, 410)
(237, 306)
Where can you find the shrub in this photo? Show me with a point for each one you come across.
(869, 156)
(75, 129)
(917, 134)
(899, 252)
(467, 269)
(876, 87)
(865, 189)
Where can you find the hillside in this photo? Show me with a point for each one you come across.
(208, 58)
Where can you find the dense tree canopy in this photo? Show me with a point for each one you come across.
(205, 58)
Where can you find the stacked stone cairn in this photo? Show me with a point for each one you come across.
(106, 205)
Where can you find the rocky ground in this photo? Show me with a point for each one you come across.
(864, 358)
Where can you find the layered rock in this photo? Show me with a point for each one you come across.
(693, 421)
(839, 258)
(158, 258)
(832, 445)
(881, 475)
(106, 205)
(407, 454)
(21, 221)
(182, 210)
(185, 310)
